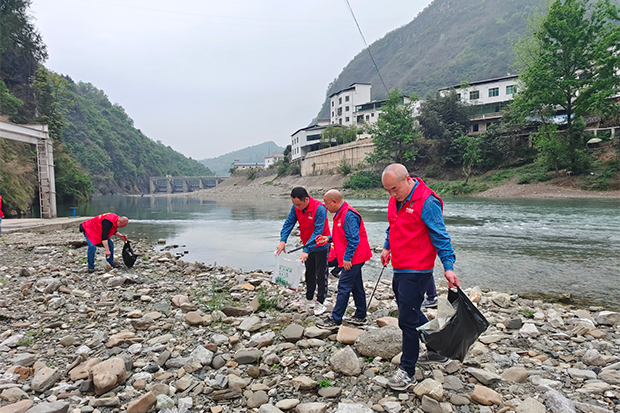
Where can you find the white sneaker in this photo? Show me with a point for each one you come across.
(319, 309)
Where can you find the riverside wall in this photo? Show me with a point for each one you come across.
(327, 160)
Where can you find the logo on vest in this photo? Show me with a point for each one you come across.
(339, 224)
(310, 216)
(409, 210)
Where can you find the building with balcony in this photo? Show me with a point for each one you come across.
(487, 98)
(308, 139)
(343, 103)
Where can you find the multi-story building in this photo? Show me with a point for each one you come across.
(308, 139)
(342, 103)
(488, 98)
(242, 166)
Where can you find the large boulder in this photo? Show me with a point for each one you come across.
(385, 342)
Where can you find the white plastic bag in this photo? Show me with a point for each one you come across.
(444, 312)
(288, 271)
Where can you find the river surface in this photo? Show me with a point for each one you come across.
(529, 247)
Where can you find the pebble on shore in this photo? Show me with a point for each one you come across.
(173, 336)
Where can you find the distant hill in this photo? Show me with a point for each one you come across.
(449, 42)
(256, 153)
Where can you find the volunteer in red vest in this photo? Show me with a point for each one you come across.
(352, 251)
(312, 218)
(98, 231)
(1, 214)
(415, 237)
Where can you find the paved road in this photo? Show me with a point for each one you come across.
(40, 224)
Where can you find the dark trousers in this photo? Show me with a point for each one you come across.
(431, 291)
(316, 273)
(409, 289)
(350, 282)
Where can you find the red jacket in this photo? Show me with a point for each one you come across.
(306, 220)
(93, 228)
(362, 252)
(410, 242)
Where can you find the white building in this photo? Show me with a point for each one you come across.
(242, 166)
(307, 139)
(272, 159)
(343, 103)
(488, 98)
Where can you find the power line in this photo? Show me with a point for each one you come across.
(367, 47)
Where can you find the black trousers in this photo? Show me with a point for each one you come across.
(316, 273)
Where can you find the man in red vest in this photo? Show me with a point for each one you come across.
(352, 251)
(312, 218)
(415, 236)
(98, 231)
(1, 214)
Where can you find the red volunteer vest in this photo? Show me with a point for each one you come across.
(1, 213)
(306, 220)
(410, 242)
(92, 227)
(362, 252)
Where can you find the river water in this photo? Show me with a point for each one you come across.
(529, 247)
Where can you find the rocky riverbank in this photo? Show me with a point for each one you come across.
(174, 336)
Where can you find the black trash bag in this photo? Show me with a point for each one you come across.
(129, 258)
(461, 330)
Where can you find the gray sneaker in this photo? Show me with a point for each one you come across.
(401, 381)
(430, 303)
(430, 357)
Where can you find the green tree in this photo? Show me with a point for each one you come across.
(8, 103)
(570, 60)
(472, 153)
(395, 132)
(21, 52)
(338, 135)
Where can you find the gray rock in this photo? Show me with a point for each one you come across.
(293, 333)
(353, 408)
(232, 311)
(53, 407)
(485, 377)
(248, 356)
(218, 362)
(250, 324)
(384, 342)
(346, 362)
(269, 408)
(287, 404)
(201, 355)
(430, 405)
(608, 318)
(330, 392)
(24, 359)
(582, 374)
(610, 376)
(531, 405)
(257, 399)
(164, 402)
(44, 379)
(311, 407)
(556, 402)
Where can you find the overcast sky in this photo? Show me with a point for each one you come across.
(210, 77)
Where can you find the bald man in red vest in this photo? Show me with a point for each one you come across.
(352, 251)
(415, 237)
(98, 231)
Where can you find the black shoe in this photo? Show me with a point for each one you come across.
(115, 265)
(357, 321)
(328, 323)
(430, 357)
(91, 270)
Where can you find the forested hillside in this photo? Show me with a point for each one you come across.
(97, 149)
(451, 41)
(221, 164)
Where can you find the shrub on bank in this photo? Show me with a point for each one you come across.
(363, 180)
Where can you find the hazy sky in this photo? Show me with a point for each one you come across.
(210, 77)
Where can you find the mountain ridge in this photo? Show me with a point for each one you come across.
(255, 153)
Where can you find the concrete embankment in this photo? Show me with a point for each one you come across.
(169, 334)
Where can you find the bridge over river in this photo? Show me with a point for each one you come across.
(174, 184)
